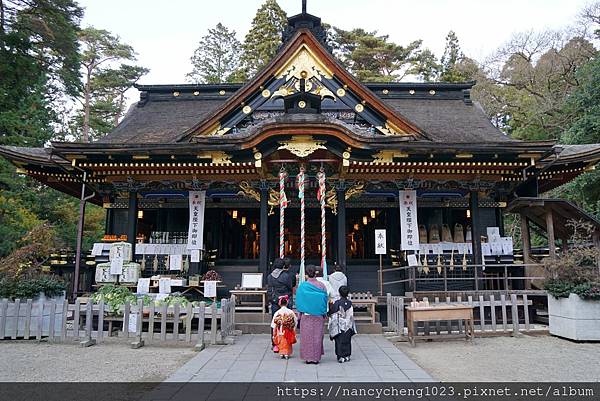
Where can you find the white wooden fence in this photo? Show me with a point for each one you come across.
(91, 323)
(508, 314)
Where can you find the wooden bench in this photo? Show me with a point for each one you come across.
(440, 312)
(364, 299)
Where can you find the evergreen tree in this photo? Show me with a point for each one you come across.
(426, 68)
(216, 58)
(106, 78)
(263, 40)
(371, 57)
(451, 59)
(39, 69)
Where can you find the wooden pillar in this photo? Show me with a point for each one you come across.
(82, 202)
(500, 220)
(263, 261)
(475, 226)
(132, 212)
(525, 239)
(341, 226)
(550, 232)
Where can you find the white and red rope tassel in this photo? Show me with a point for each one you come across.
(321, 197)
(302, 220)
(282, 206)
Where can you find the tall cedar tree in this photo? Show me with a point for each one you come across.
(452, 56)
(39, 68)
(106, 77)
(263, 40)
(217, 57)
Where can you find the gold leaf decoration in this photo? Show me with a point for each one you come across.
(302, 145)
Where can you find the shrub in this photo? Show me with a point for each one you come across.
(31, 287)
(576, 271)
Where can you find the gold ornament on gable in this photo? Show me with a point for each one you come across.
(302, 145)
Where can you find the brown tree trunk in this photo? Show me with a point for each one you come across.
(2, 19)
(120, 111)
(85, 136)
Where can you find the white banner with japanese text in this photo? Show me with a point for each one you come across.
(408, 221)
(196, 227)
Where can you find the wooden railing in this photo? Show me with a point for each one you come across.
(478, 277)
(507, 314)
(92, 323)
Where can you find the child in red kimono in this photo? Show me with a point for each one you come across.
(284, 328)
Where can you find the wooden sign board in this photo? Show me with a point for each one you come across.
(252, 280)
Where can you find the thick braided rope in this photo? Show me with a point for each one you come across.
(322, 190)
(282, 213)
(302, 221)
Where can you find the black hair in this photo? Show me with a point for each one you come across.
(287, 263)
(283, 301)
(344, 290)
(278, 264)
(338, 268)
(311, 271)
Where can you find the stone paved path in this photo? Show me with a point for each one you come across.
(374, 359)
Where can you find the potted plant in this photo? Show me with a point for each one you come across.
(573, 286)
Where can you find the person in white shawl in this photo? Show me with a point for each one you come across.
(341, 325)
(337, 279)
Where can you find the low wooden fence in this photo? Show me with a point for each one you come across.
(476, 276)
(494, 314)
(91, 323)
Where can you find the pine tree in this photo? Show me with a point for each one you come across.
(106, 78)
(373, 57)
(263, 40)
(217, 57)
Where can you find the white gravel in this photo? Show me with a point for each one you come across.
(110, 361)
(544, 358)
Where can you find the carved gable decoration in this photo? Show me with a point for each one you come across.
(303, 65)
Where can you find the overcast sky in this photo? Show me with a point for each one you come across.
(165, 33)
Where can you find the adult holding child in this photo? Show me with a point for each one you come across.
(311, 302)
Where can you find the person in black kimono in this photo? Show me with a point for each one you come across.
(279, 283)
(341, 325)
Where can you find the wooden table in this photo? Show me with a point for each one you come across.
(252, 306)
(440, 312)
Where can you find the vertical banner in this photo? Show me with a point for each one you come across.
(380, 242)
(408, 221)
(196, 227)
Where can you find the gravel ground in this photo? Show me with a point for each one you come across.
(526, 358)
(110, 361)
